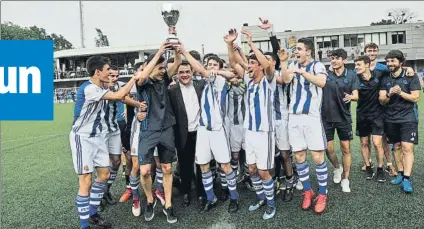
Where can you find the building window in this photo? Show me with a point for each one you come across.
(328, 42)
(335, 41)
(376, 38)
(383, 38)
(265, 46)
(398, 38)
(368, 38)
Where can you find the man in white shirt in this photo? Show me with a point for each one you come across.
(185, 102)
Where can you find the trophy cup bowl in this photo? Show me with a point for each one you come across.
(170, 14)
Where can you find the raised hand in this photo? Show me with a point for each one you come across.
(164, 47)
(180, 48)
(265, 24)
(283, 55)
(231, 36)
(248, 36)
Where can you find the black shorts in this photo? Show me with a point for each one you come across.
(401, 132)
(367, 125)
(124, 138)
(163, 140)
(344, 130)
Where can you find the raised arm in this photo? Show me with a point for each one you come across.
(172, 70)
(267, 26)
(196, 65)
(261, 58)
(229, 39)
(286, 74)
(151, 65)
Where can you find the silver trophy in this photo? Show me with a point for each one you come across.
(170, 14)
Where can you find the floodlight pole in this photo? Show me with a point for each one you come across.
(81, 25)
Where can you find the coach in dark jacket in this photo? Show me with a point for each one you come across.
(185, 101)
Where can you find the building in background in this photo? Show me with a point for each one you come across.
(409, 38)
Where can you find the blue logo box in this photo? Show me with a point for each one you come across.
(26, 80)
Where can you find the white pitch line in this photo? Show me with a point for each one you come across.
(43, 136)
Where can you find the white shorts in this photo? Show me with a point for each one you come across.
(260, 149)
(114, 143)
(236, 137)
(282, 134)
(88, 153)
(212, 144)
(135, 135)
(306, 133)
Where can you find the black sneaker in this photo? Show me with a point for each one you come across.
(288, 194)
(370, 173)
(109, 199)
(224, 195)
(201, 203)
(150, 210)
(99, 222)
(209, 206)
(170, 215)
(102, 205)
(233, 207)
(381, 175)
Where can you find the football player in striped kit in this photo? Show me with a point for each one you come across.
(307, 78)
(258, 122)
(212, 138)
(87, 139)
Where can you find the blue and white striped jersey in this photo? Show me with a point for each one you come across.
(89, 110)
(260, 104)
(305, 97)
(236, 104)
(281, 103)
(213, 104)
(114, 110)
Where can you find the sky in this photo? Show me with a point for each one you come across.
(141, 23)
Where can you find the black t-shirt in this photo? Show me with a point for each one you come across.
(369, 91)
(159, 111)
(334, 109)
(398, 109)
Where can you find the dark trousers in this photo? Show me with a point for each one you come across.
(186, 159)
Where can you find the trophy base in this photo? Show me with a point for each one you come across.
(173, 41)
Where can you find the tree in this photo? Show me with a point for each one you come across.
(10, 31)
(397, 16)
(101, 39)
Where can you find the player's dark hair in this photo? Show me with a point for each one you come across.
(339, 53)
(217, 59)
(253, 53)
(113, 67)
(370, 46)
(208, 55)
(185, 63)
(96, 63)
(273, 56)
(309, 44)
(138, 65)
(254, 57)
(363, 58)
(150, 58)
(396, 54)
(195, 54)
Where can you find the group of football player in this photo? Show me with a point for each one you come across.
(263, 111)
